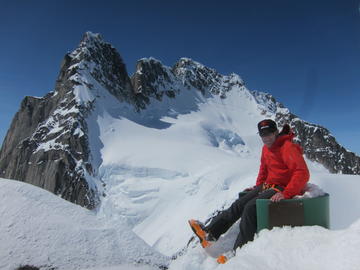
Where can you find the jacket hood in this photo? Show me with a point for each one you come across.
(286, 134)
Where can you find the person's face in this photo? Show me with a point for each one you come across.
(269, 139)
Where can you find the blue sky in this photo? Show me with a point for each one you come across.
(305, 53)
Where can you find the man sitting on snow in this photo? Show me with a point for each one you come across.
(283, 174)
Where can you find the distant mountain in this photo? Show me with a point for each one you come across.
(318, 143)
(56, 142)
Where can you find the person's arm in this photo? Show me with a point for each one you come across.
(262, 171)
(294, 160)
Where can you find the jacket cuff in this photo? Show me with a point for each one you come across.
(287, 195)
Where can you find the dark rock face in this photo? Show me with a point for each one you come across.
(47, 143)
(104, 64)
(35, 153)
(320, 146)
(204, 79)
(152, 80)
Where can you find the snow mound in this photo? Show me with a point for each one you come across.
(298, 248)
(311, 191)
(41, 229)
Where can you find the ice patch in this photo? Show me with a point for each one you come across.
(226, 140)
(224, 137)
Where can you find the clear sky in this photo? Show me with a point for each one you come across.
(305, 53)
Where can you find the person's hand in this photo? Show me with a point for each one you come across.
(277, 197)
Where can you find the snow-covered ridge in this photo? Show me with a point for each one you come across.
(151, 79)
(41, 229)
(95, 59)
(207, 80)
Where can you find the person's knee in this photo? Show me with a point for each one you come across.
(250, 209)
(236, 208)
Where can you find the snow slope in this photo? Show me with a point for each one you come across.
(149, 172)
(309, 248)
(181, 158)
(178, 160)
(41, 229)
(156, 176)
(38, 228)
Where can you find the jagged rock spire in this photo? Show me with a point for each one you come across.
(99, 59)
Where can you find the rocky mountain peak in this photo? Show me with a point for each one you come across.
(152, 80)
(53, 149)
(48, 142)
(96, 61)
(188, 63)
(196, 75)
(188, 69)
(152, 70)
(91, 39)
(90, 47)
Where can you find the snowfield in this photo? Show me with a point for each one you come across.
(154, 180)
(40, 229)
(181, 158)
(310, 248)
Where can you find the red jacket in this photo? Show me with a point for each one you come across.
(283, 164)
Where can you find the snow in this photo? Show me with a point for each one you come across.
(178, 159)
(309, 248)
(49, 145)
(41, 229)
(158, 178)
(124, 267)
(311, 191)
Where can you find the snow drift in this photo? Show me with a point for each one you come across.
(40, 229)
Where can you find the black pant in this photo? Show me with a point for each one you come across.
(244, 207)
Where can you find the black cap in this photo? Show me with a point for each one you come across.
(266, 127)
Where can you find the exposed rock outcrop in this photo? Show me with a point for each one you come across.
(47, 143)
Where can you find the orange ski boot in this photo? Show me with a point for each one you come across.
(222, 259)
(200, 232)
(225, 257)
